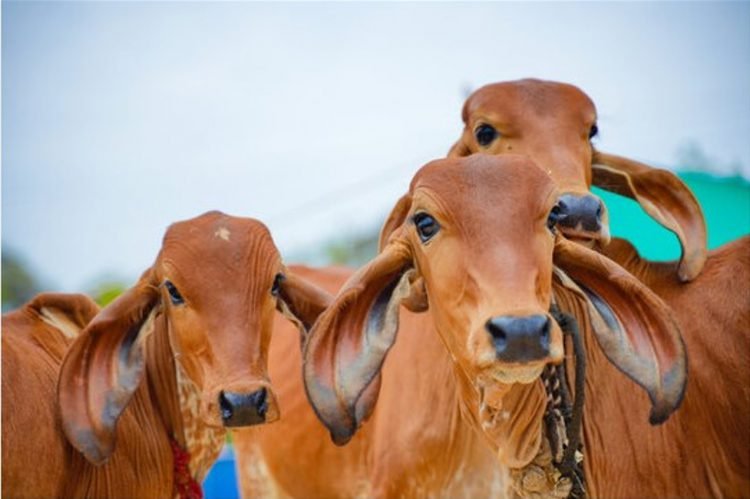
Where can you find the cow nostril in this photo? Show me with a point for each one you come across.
(226, 407)
(499, 336)
(260, 400)
(544, 334)
(599, 211)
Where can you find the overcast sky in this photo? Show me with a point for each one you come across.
(120, 118)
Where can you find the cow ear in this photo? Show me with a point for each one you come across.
(635, 329)
(102, 369)
(665, 198)
(301, 301)
(347, 345)
(395, 219)
(68, 313)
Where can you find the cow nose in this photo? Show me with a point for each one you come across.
(580, 212)
(520, 339)
(243, 409)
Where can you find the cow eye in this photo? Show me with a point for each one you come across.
(553, 218)
(594, 131)
(276, 288)
(485, 134)
(174, 295)
(426, 226)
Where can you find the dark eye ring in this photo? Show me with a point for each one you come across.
(276, 287)
(485, 134)
(174, 295)
(594, 131)
(426, 226)
(554, 216)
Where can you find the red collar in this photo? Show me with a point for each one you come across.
(185, 485)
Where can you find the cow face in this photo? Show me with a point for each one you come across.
(219, 281)
(553, 123)
(464, 226)
(473, 241)
(206, 306)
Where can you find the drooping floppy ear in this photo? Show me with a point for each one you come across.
(69, 313)
(635, 329)
(349, 342)
(102, 369)
(665, 198)
(301, 301)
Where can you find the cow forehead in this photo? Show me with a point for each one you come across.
(522, 99)
(482, 186)
(219, 244)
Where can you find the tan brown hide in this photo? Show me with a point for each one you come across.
(554, 123)
(551, 123)
(93, 402)
(430, 403)
(702, 450)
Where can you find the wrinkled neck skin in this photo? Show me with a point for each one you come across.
(160, 409)
(508, 417)
(202, 441)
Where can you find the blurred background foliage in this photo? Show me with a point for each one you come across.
(725, 201)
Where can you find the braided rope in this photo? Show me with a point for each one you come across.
(185, 486)
(571, 463)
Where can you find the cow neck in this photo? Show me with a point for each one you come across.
(195, 447)
(491, 411)
(204, 442)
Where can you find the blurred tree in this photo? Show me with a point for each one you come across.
(18, 284)
(354, 250)
(691, 157)
(106, 291)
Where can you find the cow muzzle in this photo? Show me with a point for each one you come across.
(243, 409)
(520, 339)
(583, 217)
(241, 404)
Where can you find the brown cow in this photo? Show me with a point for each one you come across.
(554, 123)
(147, 389)
(459, 400)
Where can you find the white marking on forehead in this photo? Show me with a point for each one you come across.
(223, 233)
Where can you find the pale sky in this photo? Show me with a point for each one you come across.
(120, 118)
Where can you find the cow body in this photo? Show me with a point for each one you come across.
(702, 450)
(425, 435)
(32, 351)
(141, 466)
(417, 443)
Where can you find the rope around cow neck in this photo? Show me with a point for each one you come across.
(570, 461)
(557, 469)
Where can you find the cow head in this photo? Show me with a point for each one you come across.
(474, 241)
(209, 301)
(554, 123)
